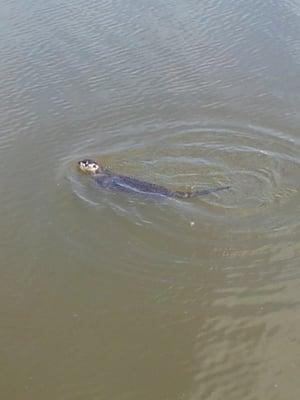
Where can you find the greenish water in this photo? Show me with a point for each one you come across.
(110, 296)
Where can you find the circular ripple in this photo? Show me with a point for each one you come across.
(261, 166)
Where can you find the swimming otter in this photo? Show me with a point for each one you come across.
(107, 179)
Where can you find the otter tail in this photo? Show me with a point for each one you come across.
(204, 192)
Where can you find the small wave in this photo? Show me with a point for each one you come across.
(261, 167)
(253, 161)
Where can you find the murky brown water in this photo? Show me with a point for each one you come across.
(110, 296)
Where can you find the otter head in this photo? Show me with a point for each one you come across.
(89, 166)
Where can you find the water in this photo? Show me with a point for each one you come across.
(110, 296)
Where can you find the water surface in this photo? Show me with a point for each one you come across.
(110, 296)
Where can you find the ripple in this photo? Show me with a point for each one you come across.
(260, 165)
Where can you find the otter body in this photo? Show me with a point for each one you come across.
(106, 179)
(129, 184)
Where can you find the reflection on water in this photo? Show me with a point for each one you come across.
(105, 295)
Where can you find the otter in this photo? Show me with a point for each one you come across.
(107, 179)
